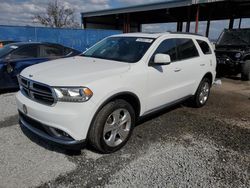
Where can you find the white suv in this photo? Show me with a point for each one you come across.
(98, 96)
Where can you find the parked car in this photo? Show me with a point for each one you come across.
(233, 53)
(17, 56)
(5, 42)
(98, 97)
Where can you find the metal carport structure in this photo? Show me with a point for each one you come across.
(130, 19)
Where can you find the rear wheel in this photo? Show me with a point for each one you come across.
(201, 96)
(245, 71)
(112, 126)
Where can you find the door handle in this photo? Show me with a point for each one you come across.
(202, 65)
(177, 70)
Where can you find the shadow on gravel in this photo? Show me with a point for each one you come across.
(4, 91)
(49, 145)
(10, 121)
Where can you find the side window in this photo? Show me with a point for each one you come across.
(204, 47)
(186, 49)
(167, 47)
(25, 52)
(51, 51)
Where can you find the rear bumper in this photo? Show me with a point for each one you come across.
(41, 130)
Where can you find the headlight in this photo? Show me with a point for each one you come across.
(237, 55)
(73, 94)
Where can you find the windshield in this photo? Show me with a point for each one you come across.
(126, 49)
(7, 49)
(235, 37)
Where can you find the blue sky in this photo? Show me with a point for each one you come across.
(20, 12)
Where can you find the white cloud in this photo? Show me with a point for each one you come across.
(15, 12)
(132, 2)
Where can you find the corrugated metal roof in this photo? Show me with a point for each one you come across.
(146, 7)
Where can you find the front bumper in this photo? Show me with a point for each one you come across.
(228, 65)
(42, 131)
(72, 119)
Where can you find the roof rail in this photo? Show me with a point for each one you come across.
(186, 33)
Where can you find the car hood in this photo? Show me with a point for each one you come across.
(74, 71)
(231, 47)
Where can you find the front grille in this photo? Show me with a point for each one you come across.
(36, 91)
(226, 55)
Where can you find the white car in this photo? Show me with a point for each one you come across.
(98, 97)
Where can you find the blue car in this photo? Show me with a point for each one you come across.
(15, 57)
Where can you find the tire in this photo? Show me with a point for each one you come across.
(245, 71)
(107, 133)
(202, 94)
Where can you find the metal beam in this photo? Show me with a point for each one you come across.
(197, 18)
(231, 23)
(208, 27)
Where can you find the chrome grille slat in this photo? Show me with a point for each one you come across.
(40, 93)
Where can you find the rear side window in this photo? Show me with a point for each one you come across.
(25, 52)
(186, 49)
(51, 51)
(204, 47)
(167, 47)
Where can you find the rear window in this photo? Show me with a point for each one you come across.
(204, 47)
(52, 51)
(186, 49)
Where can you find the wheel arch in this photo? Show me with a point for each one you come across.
(208, 75)
(128, 96)
(246, 57)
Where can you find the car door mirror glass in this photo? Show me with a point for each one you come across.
(162, 59)
(7, 58)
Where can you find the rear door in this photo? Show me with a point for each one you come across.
(187, 65)
(208, 60)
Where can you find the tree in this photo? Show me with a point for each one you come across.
(57, 15)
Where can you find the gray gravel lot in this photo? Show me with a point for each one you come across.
(179, 147)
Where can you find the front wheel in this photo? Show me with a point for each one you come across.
(201, 96)
(112, 126)
(245, 72)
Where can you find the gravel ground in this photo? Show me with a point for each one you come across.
(7, 107)
(179, 147)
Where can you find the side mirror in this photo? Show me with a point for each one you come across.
(162, 59)
(7, 58)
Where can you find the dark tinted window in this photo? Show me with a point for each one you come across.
(204, 47)
(186, 49)
(30, 51)
(51, 51)
(167, 47)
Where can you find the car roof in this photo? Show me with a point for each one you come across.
(36, 43)
(157, 35)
